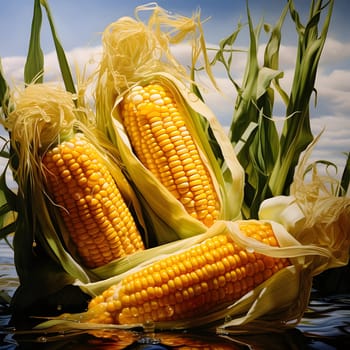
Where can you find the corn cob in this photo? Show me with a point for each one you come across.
(211, 274)
(93, 209)
(157, 130)
(84, 189)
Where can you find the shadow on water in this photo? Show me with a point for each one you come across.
(325, 326)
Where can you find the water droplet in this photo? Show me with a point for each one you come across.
(148, 340)
(228, 318)
(221, 331)
(169, 311)
(134, 312)
(42, 339)
(149, 326)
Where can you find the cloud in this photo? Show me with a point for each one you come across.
(82, 58)
(334, 141)
(332, 85)
(13, 68)
(334, 88)
(338, 125)
(335, 52)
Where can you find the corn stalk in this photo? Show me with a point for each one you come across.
(269, 159)
(296, 134)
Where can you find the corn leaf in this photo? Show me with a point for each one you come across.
(4, 92)
(269, 159)
(254, 107)
(262, 152)
(37, 247)
(11, 197)
(225, 53)
(3, 211)
(271, 54)
(296, 133)
(255, 98)
(34, 66)
(7, 230)
(62, 60)
(7, 197)
(7, 215)
(345, 179)
(245, 109)
(8, 203)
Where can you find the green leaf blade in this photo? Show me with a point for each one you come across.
(34, 66)
(62, 59)
(296, 132)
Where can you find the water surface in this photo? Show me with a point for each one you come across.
(325, 325)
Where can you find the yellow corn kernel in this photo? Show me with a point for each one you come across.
(214, 273)
(92, 207)
(158, 133)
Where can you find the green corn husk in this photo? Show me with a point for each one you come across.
(34, 66)
(122, 67)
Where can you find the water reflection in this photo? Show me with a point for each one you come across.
(326, 325)
(291, 339)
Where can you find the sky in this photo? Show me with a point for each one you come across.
(79, 24)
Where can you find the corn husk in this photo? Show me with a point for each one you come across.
(314, 213)
(278, 302)
(137, 53)
(45, 256)
(311, 227)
